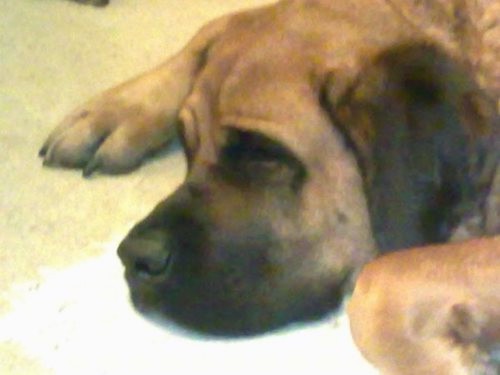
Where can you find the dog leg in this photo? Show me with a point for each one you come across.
(432, 310)
(116, 130)
(433, 340)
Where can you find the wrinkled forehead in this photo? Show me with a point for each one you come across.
(276, 96)
(284, 108)
(300, 125)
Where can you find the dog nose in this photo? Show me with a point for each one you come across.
(146, 255)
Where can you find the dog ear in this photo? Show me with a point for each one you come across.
(346, 97)
(416, 121)
(425, 83)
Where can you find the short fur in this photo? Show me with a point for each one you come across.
(432, 310)
(317, 133)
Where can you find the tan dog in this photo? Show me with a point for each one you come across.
(431, 311)
(315, 132)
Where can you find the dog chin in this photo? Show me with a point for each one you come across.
(215, 323)
(199, 313)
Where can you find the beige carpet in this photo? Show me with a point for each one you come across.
(63, 303)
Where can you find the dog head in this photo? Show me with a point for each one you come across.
(273, 217)
(257, 238)
(271, 220)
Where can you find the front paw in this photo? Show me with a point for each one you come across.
(110, 134)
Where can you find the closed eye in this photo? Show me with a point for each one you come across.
(252, 156)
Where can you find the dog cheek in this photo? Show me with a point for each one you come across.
(335, 211)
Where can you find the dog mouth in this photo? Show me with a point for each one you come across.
(222, 289)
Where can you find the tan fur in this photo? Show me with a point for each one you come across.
(116, 130)
(391, 107)
(432, 310)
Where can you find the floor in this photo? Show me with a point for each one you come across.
(63, 303)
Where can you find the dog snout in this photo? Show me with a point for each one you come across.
(172, 234)
(147, 255)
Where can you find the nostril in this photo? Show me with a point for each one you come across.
(145, 255)
(147, 267)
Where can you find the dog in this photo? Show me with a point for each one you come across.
(431, 310)
(317, 134)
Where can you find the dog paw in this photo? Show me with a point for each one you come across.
(111, 134)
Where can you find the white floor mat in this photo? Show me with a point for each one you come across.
(79, 321)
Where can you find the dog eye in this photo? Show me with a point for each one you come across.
(252, 157)
(250, 147)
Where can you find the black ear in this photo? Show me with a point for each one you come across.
(416, 120)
